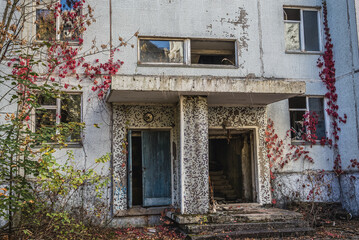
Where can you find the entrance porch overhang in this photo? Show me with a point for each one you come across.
(219, 90)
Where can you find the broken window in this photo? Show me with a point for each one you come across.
(69, 27)
(52, 26)
(213, 52)
(298, 106)
(302, 31)
(200, 52)
(54, 111)
(161, 51)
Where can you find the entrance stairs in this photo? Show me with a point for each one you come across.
(222, 188)
(232, 221)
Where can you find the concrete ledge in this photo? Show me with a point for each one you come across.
(220, 90)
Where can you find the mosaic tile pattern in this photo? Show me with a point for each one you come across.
(125, 117)
(247, 117)
(195, 155)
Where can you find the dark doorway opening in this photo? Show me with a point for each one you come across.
(149, 168)
(136, 169)
(231, 166)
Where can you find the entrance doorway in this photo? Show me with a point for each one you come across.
(231, 165)
(149, 168)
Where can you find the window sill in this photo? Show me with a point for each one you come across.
(69, 145)
(305, 52)
(304, 143)
(71, 43)
(187, 66)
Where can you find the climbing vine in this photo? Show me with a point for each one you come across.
(328, 77)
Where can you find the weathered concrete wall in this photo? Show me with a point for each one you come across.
(194, 155)
(343, 29)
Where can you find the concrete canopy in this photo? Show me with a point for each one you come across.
(219, 90)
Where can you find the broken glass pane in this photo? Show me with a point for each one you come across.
(45, 25)
(291, 14)
(213, 52)
(298, 102)
(45, 117)
(311, 33)
(70, 21)
(161, 51)
(292, 36)
(316, 105)
(71, 113)
(296, 124)
(46, 100)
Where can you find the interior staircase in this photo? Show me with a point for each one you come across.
(222, 188)
(233, 221)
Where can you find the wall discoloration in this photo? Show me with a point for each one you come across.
(235, 22)
(237, 117)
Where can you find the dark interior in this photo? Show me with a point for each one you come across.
(136, 170)
(231, 168)
(213, 52)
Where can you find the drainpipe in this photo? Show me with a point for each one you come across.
(110, 2)
(111, 126)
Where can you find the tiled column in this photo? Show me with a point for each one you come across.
(194, 154)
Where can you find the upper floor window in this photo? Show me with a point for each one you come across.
(302, 30)
(188, 52)
(161, 51)
(53, 26)
(298, 107)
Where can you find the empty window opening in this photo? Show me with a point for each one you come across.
(213, 52)
(298, 107)
(231, 166)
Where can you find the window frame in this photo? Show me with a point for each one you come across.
(301, 29)
(306, 110)
(57, 107)
(58, 22)
(186, 53)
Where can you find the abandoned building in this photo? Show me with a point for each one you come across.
(195, 94)
(185, 118)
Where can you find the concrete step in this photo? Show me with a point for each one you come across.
(215, 173)
(229, 191)
(237, 215)
(220, 182)
(235, 227)
(217, 177)
(254, 234)
(222, 187)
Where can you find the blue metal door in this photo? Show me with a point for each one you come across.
(156, 163)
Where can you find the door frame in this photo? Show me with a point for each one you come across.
(254, 135)
(132, 129)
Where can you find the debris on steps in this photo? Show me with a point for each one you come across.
(242, 220)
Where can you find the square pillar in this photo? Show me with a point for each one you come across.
(194, 155)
